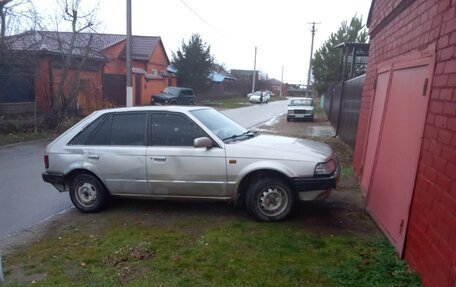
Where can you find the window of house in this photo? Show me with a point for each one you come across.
(173, 130)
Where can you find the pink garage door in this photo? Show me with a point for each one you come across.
(397, 150)
(383, 77)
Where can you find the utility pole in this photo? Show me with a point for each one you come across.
(313, 30)
(129, 100)
(254, 71)
(281, 84)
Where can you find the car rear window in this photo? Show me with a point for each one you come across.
(84, 135)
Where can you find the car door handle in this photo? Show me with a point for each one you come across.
(93, 156)
(159, 158)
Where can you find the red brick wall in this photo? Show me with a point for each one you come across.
(43, 85)
(158, 60)
(431, 237)
(47, 80)
(90, 96)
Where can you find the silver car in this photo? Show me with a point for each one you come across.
(259, 97)
(301, 108)
(172, 152)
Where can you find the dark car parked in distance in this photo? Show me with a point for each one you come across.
(174, 96)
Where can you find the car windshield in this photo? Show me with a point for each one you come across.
(225, 128)
(301, 102)
(171, 91)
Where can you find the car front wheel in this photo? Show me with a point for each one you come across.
(87, 193)
(269, 199)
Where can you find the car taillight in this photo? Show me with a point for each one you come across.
(46, 161)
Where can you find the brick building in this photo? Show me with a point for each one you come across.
(405, 153)
(102, 80)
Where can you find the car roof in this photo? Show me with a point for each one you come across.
(153, 108)
(301, 98)
(179, 88)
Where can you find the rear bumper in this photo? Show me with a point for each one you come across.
(53, 178)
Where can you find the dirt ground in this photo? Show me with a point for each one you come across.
(342, 213)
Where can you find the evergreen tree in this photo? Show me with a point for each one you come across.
(326, 62)
(193, 62)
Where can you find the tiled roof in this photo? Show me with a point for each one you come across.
(219, 74)
(142, 47)
(56, 42)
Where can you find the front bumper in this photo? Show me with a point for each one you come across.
(316, 183)
(159, 101)
(300, 115)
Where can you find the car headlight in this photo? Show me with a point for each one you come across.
(325, 168)
(290, 112)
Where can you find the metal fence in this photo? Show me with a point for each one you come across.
(342, 103)
(17, 108)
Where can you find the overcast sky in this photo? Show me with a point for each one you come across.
(280, 29)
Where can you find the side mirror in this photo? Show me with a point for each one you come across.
(202, 142)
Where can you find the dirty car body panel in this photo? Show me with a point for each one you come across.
(190, 153)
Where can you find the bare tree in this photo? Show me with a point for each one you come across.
(16, 16)
(75, 52)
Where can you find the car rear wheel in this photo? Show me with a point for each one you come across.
(87, 193)
(269, 199)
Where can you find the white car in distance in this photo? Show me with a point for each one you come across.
(259, 97)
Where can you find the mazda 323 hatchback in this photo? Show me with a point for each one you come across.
(172, 152)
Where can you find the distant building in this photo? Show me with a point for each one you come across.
(220, 75)
(244, 75)
(222, 83)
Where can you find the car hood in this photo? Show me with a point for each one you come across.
(279, 147)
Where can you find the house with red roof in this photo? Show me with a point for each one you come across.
(102, 80)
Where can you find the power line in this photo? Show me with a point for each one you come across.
(201, 18)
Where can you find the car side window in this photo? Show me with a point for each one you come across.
(122, 129)
(83, 136)
(173, 130)
(128, 129)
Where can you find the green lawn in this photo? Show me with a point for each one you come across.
(201, 250)
(6, 139)
(232, 103)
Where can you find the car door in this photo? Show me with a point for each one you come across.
(116, 152)
(175, 168)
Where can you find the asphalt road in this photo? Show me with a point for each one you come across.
(257, 114)
(25, 200)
